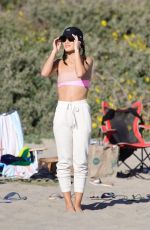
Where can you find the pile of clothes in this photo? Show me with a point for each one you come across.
(15, 160)
(23, 166)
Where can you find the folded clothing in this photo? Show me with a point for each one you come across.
(9, 159)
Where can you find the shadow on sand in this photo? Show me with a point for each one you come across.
(101, 204)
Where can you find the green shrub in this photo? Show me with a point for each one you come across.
(117, 36)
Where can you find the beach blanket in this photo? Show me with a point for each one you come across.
(16, 171)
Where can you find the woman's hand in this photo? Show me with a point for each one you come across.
(56, 44)
(77, 43)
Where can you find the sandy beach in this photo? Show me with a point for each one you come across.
(41, 213)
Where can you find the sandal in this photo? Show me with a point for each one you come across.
(14, 196)
(55, 196)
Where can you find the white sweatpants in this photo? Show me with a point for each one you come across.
(72, 129)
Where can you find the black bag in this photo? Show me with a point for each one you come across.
(10, 159)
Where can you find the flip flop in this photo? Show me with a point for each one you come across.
(55, 196)
(99, 182)
(14, 196)
(5, 201)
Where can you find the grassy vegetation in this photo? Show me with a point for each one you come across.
(117, 35)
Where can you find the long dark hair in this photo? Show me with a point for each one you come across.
(82, 53)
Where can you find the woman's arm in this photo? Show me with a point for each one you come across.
(51, 64)
(80, 67)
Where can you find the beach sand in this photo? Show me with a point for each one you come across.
(39, 212)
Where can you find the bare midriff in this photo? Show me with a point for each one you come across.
(72, 93)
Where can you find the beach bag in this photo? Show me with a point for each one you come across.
(103, 160)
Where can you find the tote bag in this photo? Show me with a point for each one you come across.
(103, 160)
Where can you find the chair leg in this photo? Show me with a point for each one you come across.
(147, 154)
(123, 162)
(141, 159)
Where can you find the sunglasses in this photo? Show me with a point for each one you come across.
(63, 39)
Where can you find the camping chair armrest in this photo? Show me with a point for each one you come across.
(108, 131)
(144, 126)
(103, 128)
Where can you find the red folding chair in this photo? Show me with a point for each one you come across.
(124, 127)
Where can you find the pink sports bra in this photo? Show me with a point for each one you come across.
(70, 79)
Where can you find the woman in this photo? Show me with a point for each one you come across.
(72, 121)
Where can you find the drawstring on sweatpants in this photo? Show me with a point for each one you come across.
(73, 109)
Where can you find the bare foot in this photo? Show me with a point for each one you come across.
(70, 209)
(78, 209)
(68, 202)
(77, 201)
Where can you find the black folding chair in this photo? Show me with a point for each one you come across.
(124, 127)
